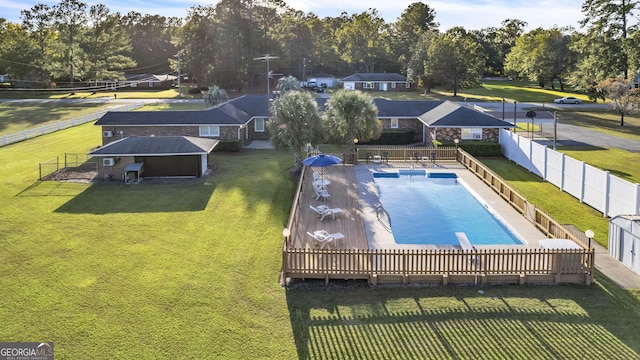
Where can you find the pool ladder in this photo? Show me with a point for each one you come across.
(379, 208)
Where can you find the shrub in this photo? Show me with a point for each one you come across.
(394, 137)
(228, 145)
(478, 148)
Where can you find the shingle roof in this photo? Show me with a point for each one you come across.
(237, 111)
(403, 109)
(241, 110)
(375, 77)
(157, 145)
(451, 115)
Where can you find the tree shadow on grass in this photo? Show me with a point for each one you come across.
(118, 198)
(353, 320)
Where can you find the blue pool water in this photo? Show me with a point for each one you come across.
(429, 208)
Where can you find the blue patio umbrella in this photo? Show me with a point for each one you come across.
(322, 160)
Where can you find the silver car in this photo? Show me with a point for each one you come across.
(567, 100)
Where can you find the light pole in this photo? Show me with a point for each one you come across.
(555, 128)
(267, 58)
(590, 234)
(355, 150)
(515, 114)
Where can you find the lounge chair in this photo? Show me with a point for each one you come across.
(316, 176)
(385, 156)
(323, 211)
(323, 238)
(321, 193)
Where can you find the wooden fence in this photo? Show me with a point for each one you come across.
(407, 153)
(516, 266)
(542, 221)
(512, 266)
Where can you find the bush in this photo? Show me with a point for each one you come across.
(478, 148)
(228, 145)
(394, 137)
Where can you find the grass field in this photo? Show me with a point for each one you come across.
(190, 270)
(27, 115)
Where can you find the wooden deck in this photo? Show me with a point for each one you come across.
(343, 192)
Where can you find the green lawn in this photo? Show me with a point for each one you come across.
(190, 270)
(16, 117)
(121, 94)
(489, 90)
(546, 196)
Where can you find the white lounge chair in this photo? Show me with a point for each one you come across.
(323, 211)
(323, 238)
(321, 193)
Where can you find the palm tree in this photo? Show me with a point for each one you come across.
(351, 115)
(295, 122)
(215, 96)
(288, 83)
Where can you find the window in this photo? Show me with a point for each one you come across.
(210, 130)
(472, 133)
(394, 85)
(258, 125)
(368, 85)
(394, 123)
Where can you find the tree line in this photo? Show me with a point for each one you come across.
(72, 42)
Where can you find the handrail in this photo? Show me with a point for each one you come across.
(387, 227)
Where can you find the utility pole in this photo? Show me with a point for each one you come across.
(304, 70)
(266, 58)
(179, 74)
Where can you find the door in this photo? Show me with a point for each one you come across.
(383, 86)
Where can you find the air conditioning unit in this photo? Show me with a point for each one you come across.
(477, 136)
(107, 133)
(108, 162)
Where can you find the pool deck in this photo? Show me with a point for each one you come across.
(353, 190)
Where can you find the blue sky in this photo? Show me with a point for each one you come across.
(471, 14)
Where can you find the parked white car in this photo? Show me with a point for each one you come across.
(567, 100)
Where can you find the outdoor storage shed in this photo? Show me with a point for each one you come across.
(624, 240)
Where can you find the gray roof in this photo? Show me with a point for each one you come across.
(241, 110)
(157, 146)
(403, 109)
(451, 115)
(234, 112)
(375, 77)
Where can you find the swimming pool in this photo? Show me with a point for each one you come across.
(429, 208)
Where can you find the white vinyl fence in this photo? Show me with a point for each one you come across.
(51, 127)
(599, 189)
